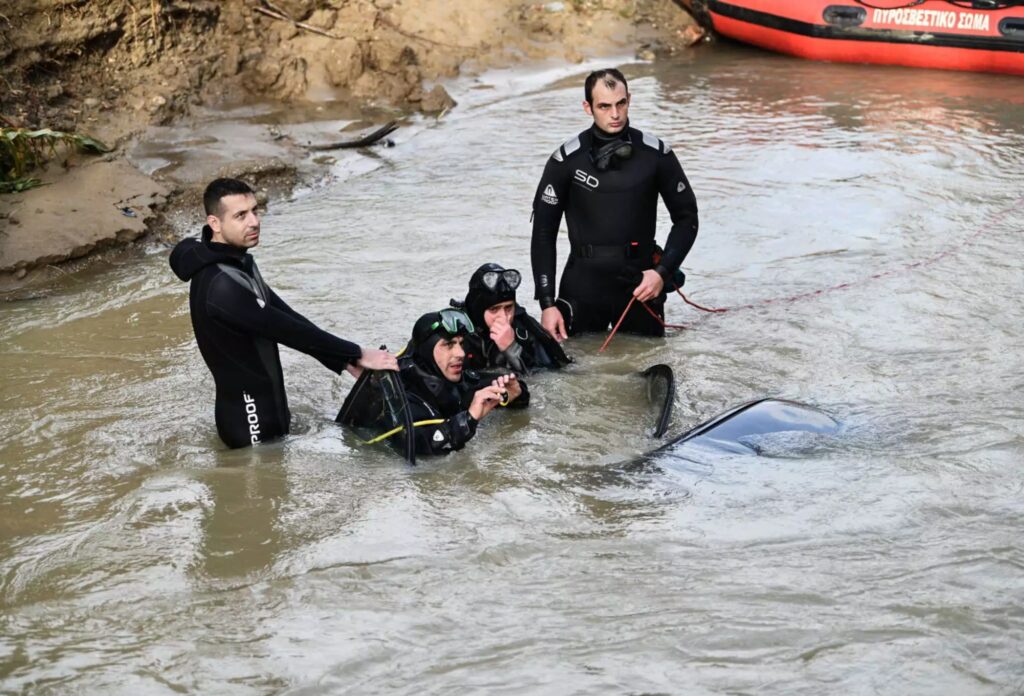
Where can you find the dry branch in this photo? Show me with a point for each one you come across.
(301, 25)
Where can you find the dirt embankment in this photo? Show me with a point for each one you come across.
(113, 68)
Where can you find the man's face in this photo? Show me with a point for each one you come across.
(610, 107)
(238, 223)
(448, 355)
(499, 313)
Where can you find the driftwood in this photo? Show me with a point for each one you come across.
(365, 141)
(416, 37)
(274, 11)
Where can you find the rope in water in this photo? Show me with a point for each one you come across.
(821, 291)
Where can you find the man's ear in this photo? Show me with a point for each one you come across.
(214, 222)
(587, 108)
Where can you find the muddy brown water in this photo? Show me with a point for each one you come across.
(137, 555)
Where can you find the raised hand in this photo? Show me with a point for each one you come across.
(484, 401)
(502, 334)
(509, 387)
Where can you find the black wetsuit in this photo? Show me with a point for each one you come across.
(238, 322)
(532, 349)
(432, 397)
(611, 216)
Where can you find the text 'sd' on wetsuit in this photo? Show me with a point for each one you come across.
(238, 322)
(612, 216)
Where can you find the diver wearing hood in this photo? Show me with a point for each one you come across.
(505, 336)
(440, 388)
(238, 321)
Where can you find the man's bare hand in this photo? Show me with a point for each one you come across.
(484, 401)
(553, 322)
(509, 386)
(650, 287)
(374, 359)
(502, 334)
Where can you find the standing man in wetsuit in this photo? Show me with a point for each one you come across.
(607, 181)
(238, 321)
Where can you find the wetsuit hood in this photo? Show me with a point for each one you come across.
(421, 369)
(421, 345)
(479, 298)
(191, 255)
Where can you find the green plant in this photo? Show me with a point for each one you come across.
(22, 150)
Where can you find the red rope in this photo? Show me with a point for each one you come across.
(885, 274)
(694, 304)
(616, 328)
(626, 311)
(821, 291)
(660, 320)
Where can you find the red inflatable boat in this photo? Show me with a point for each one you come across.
(981, 35)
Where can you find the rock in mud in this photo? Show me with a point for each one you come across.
(437, 100)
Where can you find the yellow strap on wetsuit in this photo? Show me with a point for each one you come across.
(394, 431)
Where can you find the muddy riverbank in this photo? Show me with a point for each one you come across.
(114, 70)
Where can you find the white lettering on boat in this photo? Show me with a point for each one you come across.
(932, 19)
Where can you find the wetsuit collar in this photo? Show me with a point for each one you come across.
(190, 256)
(601, 136)
(207, 238)
(228, 250)
(447, 397)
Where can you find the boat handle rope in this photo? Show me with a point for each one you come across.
(912, 3)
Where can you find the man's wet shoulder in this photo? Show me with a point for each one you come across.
(568, 149)
(650, 140)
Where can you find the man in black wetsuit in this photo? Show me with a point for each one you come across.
(506, 336)
(439, 387)
(238, 321)
(607, 181)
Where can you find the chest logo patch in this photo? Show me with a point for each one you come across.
(588, 180)
(549, 196)
(438, 436)
(680, 187)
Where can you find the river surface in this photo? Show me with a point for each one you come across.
(139, 556)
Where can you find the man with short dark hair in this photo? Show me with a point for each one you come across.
(238, 321)
(607, 181)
